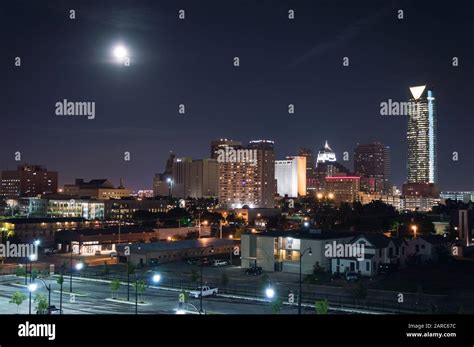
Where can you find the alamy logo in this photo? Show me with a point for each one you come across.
(21, 250)
(232, 155)
(396, 108)
(341, 250)
(75, 108)
(37, 330)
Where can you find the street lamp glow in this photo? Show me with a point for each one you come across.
(120, 52)
(156, 278)
(33, 257)
(79, 266)
(270, 293)
(306, 224)
(331, 196)
(32, 287)
(36, 243)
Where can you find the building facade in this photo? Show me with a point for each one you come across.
(290, 175)
(101, 189)
(28, 181)
(344, 189)
(421, 136)
(372, 164)
(248, 182)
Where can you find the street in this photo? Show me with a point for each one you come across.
(93, 297)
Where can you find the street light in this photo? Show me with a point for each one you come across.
(156, 278)
(270, 293)
(414, 228)
(33, 257)
(77, 267)
(310, 252)
(211, 250)
(31, 288)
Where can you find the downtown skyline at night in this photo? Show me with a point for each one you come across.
(255, 167)
(281, 63)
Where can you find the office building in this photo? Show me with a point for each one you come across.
(28, 181)
(101, 189)
(221, 144)
(291, 176)
(247, 178)
(311, 181)
(372, 164)
(465, 196)
(343, 188)
(327, 166)
(421, 136)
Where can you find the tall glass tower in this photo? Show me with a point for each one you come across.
(421, 136)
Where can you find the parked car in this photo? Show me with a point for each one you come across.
(98, 253)
(206, 262)
(254, 270)
(352, 276)
(386, 269)
(206, 291)
(219, 262)
(49, 251)
(53, 310)
(192, 261)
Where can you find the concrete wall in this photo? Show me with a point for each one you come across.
(264, 253)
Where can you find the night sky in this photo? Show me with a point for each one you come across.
(282, 61)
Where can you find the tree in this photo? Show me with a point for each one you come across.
(34, 274)
(41, 303)
(224, 280)
(277, 305)
(17, 299)
(140, 287)
(194, 276)
(321, 307)
(114, 286)
(20, 271)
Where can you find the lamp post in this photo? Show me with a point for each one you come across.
(61, 280)
(211, 250)
(78, 267)
(48, 288)
(414, 228)
(156, 278)
(310, 252)
(31, 288)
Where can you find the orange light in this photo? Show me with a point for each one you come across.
(320, 195)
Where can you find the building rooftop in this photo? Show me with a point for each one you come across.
(44, 220)
(312, 234)
(177, 245)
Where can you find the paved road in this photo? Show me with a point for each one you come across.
(157, 301)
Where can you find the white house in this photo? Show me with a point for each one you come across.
(377, 249)
(426, 248)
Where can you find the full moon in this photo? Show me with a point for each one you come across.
(120, 52)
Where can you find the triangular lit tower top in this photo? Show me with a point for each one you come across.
(326, 154)
(417, 91)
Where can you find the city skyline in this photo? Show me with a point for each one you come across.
(137, 106)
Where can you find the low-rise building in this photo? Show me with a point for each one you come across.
(150, 254)
(280, 250)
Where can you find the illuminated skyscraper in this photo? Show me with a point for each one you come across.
(421, 137)
(291, 176)
(247, 175)
(372, 164)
